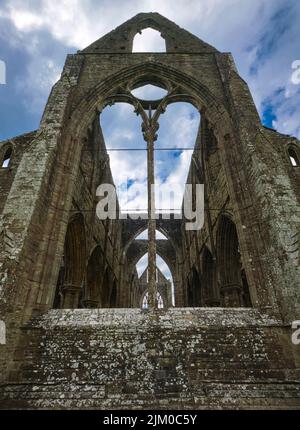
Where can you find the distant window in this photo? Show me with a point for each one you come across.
(293, 157)
(160, 302)
(149, 41)
(6, 158)
(145, 303)
(2, 73)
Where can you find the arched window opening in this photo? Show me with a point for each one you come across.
(94, 280)
(145, 302)
(7, 158)
(293, 157)
(178, 130)
(209, 279)
(230, 266)
(195, 289)
(74, 264)
(160, 302)
(124, 140)
(149, 92)
(164, 279)
(149, 40)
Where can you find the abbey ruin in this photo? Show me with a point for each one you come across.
(77, 333)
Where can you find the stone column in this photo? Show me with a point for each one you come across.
(90, 304)
(71, 294)
(231, 295)
(150, 137)
(212, 302)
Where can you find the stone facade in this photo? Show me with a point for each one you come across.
(239, 273)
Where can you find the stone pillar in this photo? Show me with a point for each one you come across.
(90, 304)
(231, 295)
(70, 296)
(179, 284)
(169, 294)
(150, 137)
(151, 252)
(212, 302)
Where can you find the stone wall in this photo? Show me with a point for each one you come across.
(131, 359)
(18, 146)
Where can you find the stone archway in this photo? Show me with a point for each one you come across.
(74, 262)
(209, 277)
(229, 264)
(113, 295)
(83, 117)
(94, 278)
(195, 292)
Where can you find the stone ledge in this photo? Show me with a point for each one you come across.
(180, 318)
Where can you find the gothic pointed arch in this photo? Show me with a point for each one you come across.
(113, 295)
(230, 267)
(74, 261)
(106, 288)
(190, 90)
(94, 277)
(209, 277)
(195, 293)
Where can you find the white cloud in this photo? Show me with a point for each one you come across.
(263, 36)
(24, 20)
(62, 20)
(149, 41)
(231, 25)
(42, 73)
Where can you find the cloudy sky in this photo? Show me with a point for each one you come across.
(36, 35)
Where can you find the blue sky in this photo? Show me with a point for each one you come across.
(36, 35)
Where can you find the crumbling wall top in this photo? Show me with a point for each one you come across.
(121, 39)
